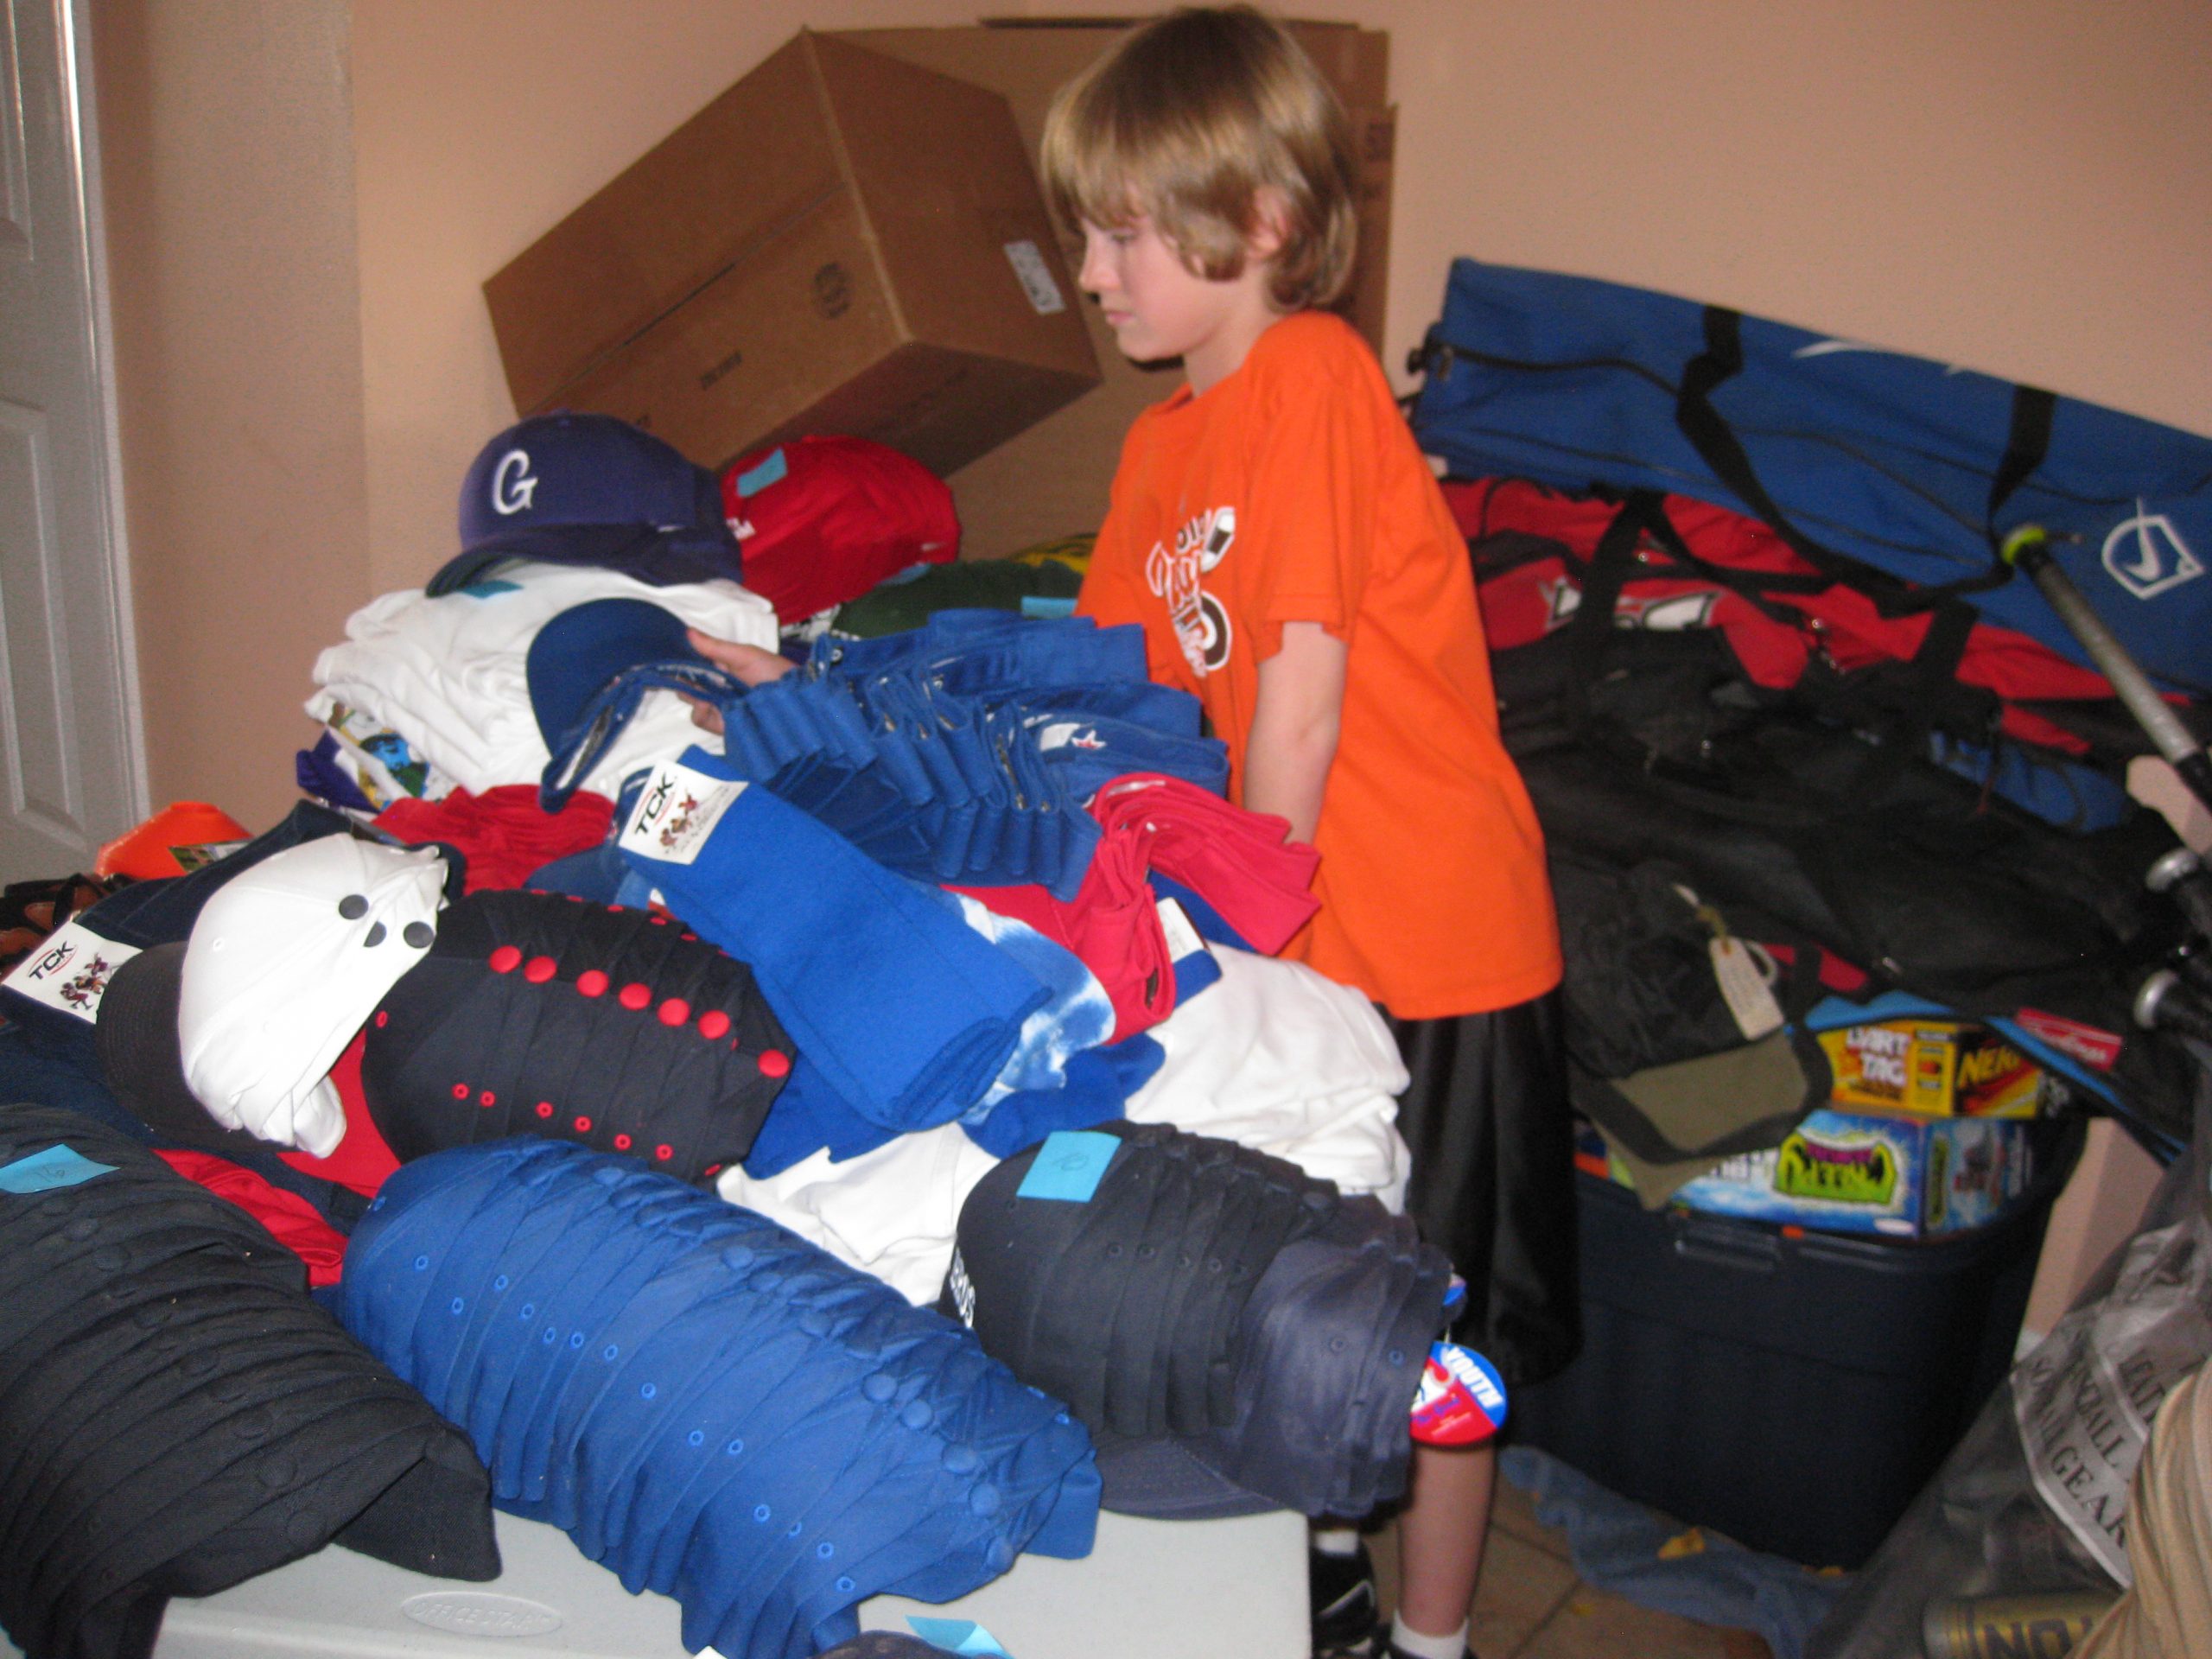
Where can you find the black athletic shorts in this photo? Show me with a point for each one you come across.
(1486, 1117)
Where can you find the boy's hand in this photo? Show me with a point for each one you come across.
(749, 664)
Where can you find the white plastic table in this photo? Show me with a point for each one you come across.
(1232, 1589)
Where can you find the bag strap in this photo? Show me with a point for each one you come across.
(2027, 443)
(1718, 446)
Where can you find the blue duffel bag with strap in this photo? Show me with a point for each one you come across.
(1895, 473)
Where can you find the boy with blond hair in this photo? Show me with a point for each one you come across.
(1277, 531)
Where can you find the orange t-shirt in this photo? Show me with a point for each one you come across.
(1293, 492)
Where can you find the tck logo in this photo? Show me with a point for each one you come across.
(513, 484)
(2145, 554)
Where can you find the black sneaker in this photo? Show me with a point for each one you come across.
(1346, 1618)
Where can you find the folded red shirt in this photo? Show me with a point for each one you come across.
(1240, 863)
(504, 833)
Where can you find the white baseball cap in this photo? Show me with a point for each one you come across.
(284, 964)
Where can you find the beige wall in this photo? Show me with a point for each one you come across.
(228, 172)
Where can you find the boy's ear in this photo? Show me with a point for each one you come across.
(1270, 225)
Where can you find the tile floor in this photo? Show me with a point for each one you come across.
(1531, 1605)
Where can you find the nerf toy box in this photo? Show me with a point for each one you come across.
(1940, 1068)
(1905, 1177)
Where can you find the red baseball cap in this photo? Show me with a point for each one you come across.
(823, 520)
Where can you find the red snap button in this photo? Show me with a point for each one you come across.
(584, 1126)
(538, 969)
(675, 1011)
(460, 1091)
(658, 919)
(487, 1098)
(635, 995)
(773, 1065)
(714, 1169)
(591, 983)
(622, 1143)
(383, 1019)
(614, 910)
(692, 938)
(506, 959)
(714, 1024)
(545, 1109)
(663, 1152)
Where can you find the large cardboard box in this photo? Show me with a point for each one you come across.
(841, 242)
(1051, 481)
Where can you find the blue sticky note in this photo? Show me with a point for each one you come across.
(42, 1172)
(1069, 1166)
(957, 1635)
(773, 469)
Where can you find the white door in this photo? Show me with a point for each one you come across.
(72, 770)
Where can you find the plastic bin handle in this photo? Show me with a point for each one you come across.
(1743, 1249)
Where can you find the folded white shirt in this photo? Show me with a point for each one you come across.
(892, 1213)
(1283, 1059)
(448, 674)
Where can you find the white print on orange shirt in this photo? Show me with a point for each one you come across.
(1201, 626)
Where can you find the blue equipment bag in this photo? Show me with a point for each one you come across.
(1895, 473)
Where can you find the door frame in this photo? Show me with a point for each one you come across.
(74, 29)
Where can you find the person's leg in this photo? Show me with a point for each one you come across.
(1441, 1533)
(1486, 1118)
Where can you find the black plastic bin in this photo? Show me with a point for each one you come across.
(1792, 1389)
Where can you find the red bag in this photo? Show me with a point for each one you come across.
(1722, 570)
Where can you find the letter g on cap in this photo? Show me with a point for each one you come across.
(513, 484)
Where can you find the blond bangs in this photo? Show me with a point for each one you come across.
(1185, 121)
(1089, 173)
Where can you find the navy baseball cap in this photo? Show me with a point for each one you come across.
(592, 490)
(589, 668)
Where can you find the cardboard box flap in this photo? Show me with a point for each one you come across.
(964, 243)
(734, 176)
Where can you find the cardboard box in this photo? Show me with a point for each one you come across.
(1051, 481)
(1868, 1172)
(841, 242)
(1937, 1068)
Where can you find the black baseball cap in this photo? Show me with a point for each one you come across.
(612, 1027)
(176, 1413)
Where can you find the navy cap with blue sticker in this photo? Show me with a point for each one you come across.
(1239, 1335)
